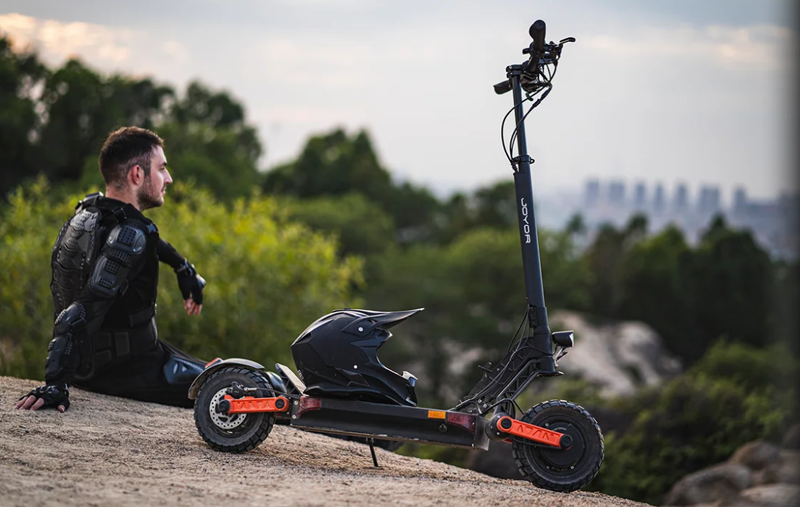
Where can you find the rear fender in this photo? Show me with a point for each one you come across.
(217, 365)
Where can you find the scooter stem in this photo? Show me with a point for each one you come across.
(529, 240)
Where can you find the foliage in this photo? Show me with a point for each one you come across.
(21, 75)
(268, 278)
(53, 122)
(699, 419)
(334, 164)
(361, 226)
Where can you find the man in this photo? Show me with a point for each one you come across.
(105, 277)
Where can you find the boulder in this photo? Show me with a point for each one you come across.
(756, 455)
(791, 439)
(720, 483)
(787, 469)
(773, 495)
(618, 356)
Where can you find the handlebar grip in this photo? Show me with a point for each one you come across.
(537, 32)
(501, 88)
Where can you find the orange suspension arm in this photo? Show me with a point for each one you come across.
(532, 432)
(248, 404)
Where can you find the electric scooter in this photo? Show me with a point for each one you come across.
(342, 388)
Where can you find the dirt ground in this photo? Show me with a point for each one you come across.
(112, 451)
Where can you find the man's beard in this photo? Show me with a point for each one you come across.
(149, 196)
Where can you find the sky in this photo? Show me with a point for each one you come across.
(698, 92)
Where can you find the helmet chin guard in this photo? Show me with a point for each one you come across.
(337, 356)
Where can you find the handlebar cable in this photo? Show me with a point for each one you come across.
(502, 129)
(523, 326)
(538, 101)
(545, 70)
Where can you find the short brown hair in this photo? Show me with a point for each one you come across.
(125, 148)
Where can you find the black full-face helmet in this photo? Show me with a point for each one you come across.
(337, 356)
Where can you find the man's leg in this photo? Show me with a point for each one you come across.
(162, 375)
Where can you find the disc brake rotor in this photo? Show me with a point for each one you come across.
(224, 421)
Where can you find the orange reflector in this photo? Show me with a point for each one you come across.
(217, 360)
(436, 414)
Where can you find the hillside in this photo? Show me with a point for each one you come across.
(112, 451)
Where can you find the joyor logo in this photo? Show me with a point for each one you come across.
(526, 227)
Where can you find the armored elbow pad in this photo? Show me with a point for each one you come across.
(124, 246)
(67, 346)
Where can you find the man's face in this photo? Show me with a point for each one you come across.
(151, 193)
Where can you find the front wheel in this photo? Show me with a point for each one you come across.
(567, 469)
(231, 432)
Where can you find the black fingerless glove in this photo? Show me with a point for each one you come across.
(190, 283)
(53, 395)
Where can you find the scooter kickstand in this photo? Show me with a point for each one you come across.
(371, 442)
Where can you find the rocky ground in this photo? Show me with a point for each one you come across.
(112, 451)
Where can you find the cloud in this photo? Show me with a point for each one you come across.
(101, 45)
(57, 41)
(761, 47)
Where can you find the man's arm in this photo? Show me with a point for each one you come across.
(120, 260)
(190, 282)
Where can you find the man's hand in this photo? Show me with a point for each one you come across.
(55, 396)
(191, 307)
(191, 285)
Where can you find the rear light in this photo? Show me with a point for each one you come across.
(466, 421)
(215, 361)
(309, 403)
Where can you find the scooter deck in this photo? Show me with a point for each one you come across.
(390, 422)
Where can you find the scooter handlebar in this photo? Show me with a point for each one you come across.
(537, 32)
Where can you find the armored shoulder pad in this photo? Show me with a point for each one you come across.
(124, 246)
(126, 237)
(89, 199)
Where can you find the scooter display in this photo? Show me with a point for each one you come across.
(342, 388)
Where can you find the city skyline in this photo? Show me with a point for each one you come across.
(680, 194)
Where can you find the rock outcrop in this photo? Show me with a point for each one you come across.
(618, 356)
(758, 474)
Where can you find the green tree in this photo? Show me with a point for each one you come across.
(655, 290)
(699, 419)
(335, 164)
(606, 257)
(361, 226)
(21, 76)
(733, 284)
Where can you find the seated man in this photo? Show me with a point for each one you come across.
(105, 280)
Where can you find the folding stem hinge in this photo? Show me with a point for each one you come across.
(533, 317)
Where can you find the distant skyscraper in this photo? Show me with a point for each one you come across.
(680, 202)
(616, 193)
(640, 196)
(591, 196)
(739, 202)
(659, 199)
(708, 203)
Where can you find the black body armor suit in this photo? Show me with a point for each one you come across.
(105, 281)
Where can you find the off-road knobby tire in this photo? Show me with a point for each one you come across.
(255, 427)
(533, 461)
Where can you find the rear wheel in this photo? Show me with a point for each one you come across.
(231, 432)
(561, 469)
